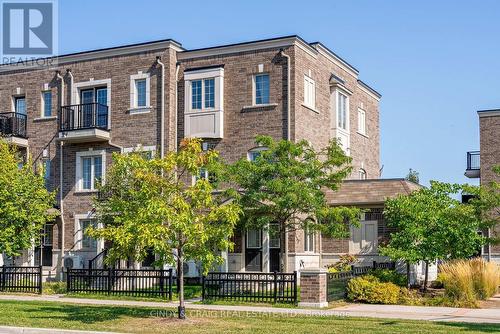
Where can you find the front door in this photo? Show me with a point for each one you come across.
(94, 100)
(253, 250)
(43, 253)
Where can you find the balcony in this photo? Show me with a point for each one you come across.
(87, 122)
(473, 165)
(13, 128)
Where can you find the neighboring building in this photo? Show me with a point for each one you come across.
(480, 164)
(72, 117)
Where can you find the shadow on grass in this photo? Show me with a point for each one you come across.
(477, 327)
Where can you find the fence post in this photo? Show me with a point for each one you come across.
(374, 264)
(203, 288)
(68, 280)
(275, 287)
(162, 283)
(2, 282)
(170, 284)
(295, 287)
(40, 274)
(110, 284)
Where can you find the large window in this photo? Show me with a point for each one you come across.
(20, 105)
(361, 121)
(261, 86)
(308, 240)
(203, 94)
(254, 238)
(89, 169)
(342, 111)
(196, 94)
(209, 86)
(47, 104)
(309, 92)
(87, 242)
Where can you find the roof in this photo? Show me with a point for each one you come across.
(370, 192)
(488, 112)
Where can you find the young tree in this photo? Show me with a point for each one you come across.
(152, 204)
(24, 203)
(285, 185)
(413, 176)
(431, 225)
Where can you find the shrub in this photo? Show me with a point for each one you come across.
(409, 297)
(344, 263)
(388, 275)
(465, 281)
(53, 288)
(369, 289)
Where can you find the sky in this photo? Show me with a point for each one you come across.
(434, 62)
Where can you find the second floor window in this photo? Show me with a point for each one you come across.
(309, 92)
(342, 112)
(203, 94)
(47, 104)
(140, 88)
(196, 94)
(20, 105)
(209, 93)
(262, 89)
(361, 121)
(91, 172)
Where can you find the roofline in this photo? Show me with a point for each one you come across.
(488, 112)
(336, 56)
(383, 180)
(370, 89)
(98, 53)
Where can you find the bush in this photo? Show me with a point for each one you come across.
(410, 297)
(344, 263)
(466, 281)
(389, 276)
(53, 288)
(369, 289)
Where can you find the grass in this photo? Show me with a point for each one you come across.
(150, 320)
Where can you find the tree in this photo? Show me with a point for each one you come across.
(24, 203)
(151, 204)
(286, 184)
(413, 176)
(431, 225)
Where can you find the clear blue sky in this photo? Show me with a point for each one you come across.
(435, 62)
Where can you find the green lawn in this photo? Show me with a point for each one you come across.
(149, 320)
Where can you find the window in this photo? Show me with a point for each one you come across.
(261, 85)
(253, 154)
(209, 93)
(362, 174)
(20, 105)
(147, 152)
(140, 88)
(47, 104)
(342, 111)
(309, 92)
(89, 169)
(87, 241)
(254, 238)
(308, 240)
(196, 94)
(363, 238)
(361, 121)
(46, 172)
(274, 236)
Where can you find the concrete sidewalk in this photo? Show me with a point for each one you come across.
(24, 330)
(351, 310)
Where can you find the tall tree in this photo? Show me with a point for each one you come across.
(152, 204)
(432, 225)
(413, 176)
(24, 203)
(286, 185)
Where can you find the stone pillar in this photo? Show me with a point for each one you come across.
(313, 290)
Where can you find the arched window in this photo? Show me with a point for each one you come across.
(362, 174)
(254, 153)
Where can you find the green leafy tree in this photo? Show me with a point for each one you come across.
(413, 176)
(151, 204)
(285, 185)
(24, 203)
(431, 225)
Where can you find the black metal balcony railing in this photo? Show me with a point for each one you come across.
(13, 124)
(473, 160)
(83, 116)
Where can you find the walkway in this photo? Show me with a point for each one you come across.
(491, 315)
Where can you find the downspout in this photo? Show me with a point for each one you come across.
(288, 135)
(177, 67)
(162, 118)
(61, 183)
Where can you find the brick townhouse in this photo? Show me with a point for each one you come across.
(72, 116)
(480, 165)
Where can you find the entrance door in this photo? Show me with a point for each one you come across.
(274, 248)
(94, 100)
(87, 100)
(43, 253)
(253, 250)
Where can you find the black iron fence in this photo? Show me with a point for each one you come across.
(250, 287)
(13, 124)
(83, 116)
(337, 282)
(124, 282)
(21, 279)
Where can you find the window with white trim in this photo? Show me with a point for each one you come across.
(342, 111)
(261, 89)
(309, 92)
(254, 153)
(254, 238)
(47, 104)
(147, 152)
(89, 169)
(140, 94)
(84, 241)
(308, 240)
(361, 121)
(274, 236)
(203, 94)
